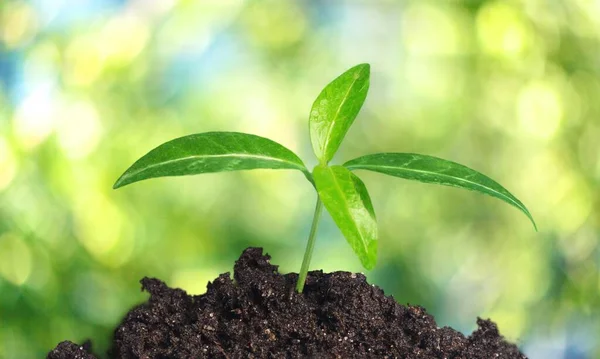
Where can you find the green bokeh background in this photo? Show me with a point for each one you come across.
(510, 88)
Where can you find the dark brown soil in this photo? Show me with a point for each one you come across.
(259, 315)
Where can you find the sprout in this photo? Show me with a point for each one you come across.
(342, 193)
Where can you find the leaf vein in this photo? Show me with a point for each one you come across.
(516, 203)
(273, 159)
(337, 112)
(362, 239)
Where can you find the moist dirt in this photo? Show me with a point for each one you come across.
(257, 314)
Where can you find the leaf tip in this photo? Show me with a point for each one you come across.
(370, 260)
(364, 65)
(120, 182)
(534, 224)
(369, 264)
(362, 68)
(528, 214)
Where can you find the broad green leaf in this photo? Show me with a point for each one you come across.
(335, 109)
(211, 152)
(430, 169)
(346, 198)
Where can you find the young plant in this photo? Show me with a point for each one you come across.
(342, 193)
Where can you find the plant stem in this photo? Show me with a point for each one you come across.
(309, 246)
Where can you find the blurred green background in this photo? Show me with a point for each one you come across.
(508, 88)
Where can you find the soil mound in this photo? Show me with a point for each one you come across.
(259, 315)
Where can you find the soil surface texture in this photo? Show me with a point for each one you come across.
(257, 314)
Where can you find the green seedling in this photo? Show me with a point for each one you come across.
(342, 193)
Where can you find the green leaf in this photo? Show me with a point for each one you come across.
(211, 152)
(347, 200)
(430, 169)
(335, 109)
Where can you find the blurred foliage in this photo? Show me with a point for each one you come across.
(509, 88)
